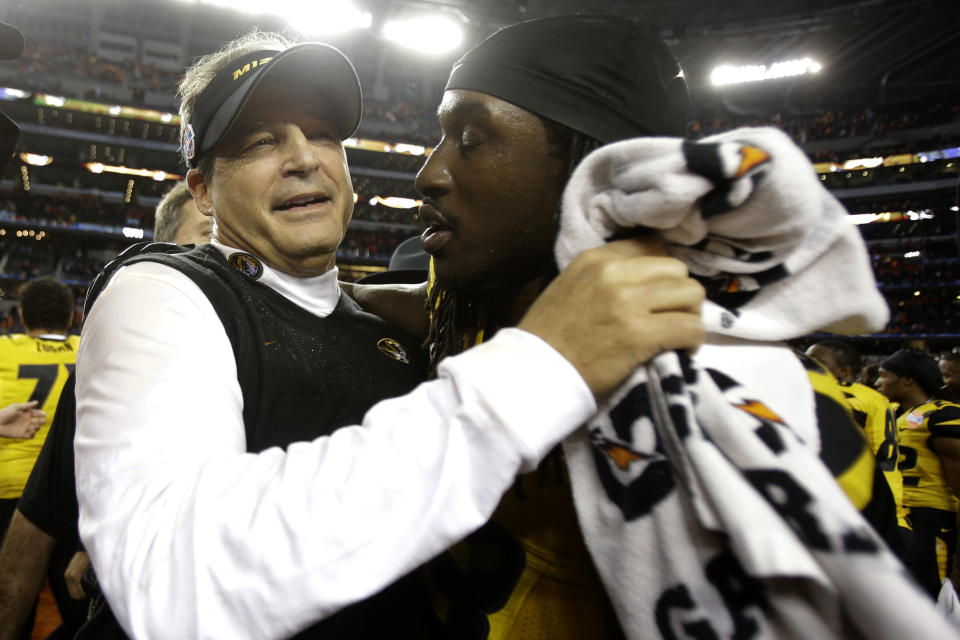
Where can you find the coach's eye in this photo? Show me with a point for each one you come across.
(261, 141)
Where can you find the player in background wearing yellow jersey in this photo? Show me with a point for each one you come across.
(39, 542)
(929, 431)
(871, 411)
(33, 368)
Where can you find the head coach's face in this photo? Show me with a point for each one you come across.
(493, 184)
(277, 182)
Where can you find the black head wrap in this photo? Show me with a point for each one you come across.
(608, 77)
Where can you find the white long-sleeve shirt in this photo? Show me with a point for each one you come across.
(193, 537)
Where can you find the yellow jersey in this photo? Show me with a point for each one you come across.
(31, 368)
(843, 447)
(924, 484)
(872, 413)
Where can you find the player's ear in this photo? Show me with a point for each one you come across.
(200, 188)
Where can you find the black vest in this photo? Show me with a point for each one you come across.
(304, 377)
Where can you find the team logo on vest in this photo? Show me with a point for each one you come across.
(247, 264)
(394, 349)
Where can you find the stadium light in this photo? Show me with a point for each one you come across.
(9, 93)
(36, 159)
(432, 35)
(728, 74)
(862, 218)
(866, 163)
(312, 17)
(327, 18)
(158, 175)
(53, 101)
(396, 202)
(412, 149)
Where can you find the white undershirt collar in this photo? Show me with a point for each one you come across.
(317, 294)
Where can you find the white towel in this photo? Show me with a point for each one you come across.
(703, 503)
(948, 603)
(768, 240)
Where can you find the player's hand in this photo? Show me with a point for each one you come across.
(78, 563)
(21, 420)
(615, 307)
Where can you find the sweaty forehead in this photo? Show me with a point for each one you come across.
(463, 103)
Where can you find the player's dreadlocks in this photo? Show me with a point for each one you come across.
(458, 320)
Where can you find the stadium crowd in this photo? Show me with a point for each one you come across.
(399, 119)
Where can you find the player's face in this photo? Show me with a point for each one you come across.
(280, 187)
(951, 374)
(491, 190)
(890, 385)
(194, 226)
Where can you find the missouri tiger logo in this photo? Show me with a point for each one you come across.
(393, 349)
(631, 462)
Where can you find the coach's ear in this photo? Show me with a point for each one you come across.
(200, 188)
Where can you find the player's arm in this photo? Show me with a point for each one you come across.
(944, 424)
(188, 530)
(948, 450)
(399, 304)
(23, 567)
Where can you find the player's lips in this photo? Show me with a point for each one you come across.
(303, 201)
(438, 231)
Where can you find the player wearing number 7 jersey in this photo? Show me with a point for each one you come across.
(33, 366)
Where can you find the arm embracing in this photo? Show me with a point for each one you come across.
(192, 536)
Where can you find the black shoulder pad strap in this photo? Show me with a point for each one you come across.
(124, 258)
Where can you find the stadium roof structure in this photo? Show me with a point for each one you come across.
(872, 51)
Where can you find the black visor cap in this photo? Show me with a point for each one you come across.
(312, 63)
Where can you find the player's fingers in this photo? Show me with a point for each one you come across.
(625, 249)
(676, 331)
(675, 294)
